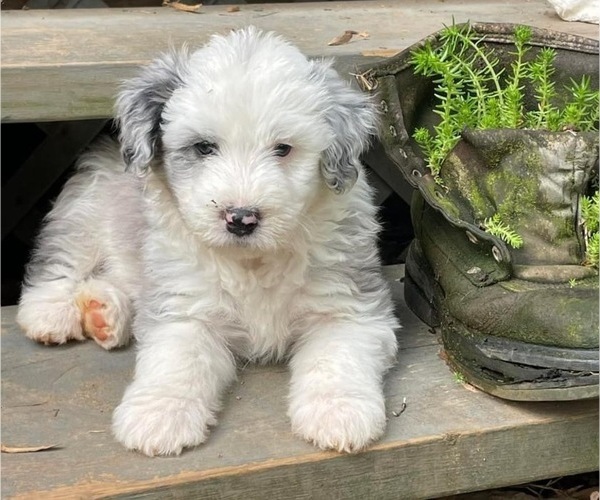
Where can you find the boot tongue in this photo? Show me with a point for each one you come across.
(534, 180)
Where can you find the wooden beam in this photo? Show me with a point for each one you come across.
(67, 64)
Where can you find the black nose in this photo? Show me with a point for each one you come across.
(241, 221)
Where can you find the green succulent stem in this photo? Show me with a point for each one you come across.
(494, 225)
(473, 91)
(590, 218)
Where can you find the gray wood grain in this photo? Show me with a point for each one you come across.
(451, 438)
(67, 64)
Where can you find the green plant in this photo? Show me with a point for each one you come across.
(590, 214)
(495, 226)
(541, 70)
(582, 112)
(473, 91)
(459, 378)
(592, 253)
(514, 110)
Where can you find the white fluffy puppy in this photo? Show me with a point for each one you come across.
(243, 228)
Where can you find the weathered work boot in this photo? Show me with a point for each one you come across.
(519, 323)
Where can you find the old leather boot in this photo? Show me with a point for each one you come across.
(519, 323)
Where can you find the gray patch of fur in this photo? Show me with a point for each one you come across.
(140, 104)
(353, 119)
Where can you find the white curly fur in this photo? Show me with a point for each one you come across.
(150, 247)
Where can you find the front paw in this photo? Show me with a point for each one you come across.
(49, 319)
(347, 423)
(160, 425)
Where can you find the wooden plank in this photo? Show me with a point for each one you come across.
(67, 64)
(451, 438)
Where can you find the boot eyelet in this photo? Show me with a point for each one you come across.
(416, 173)
(384, 107)
(393, 131)
(471, 237)
(497, 254)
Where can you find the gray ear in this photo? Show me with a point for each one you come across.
(140, 104)
(353, 119)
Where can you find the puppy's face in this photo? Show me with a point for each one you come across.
(242, 143)
(250, 133)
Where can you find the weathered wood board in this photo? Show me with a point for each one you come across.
(451, 438)
(67, 64)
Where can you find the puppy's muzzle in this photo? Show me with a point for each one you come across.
(241, 221)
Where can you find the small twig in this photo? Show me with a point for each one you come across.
(27, 405)
(401, 410)
(26, 449)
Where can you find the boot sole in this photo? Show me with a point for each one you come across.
(519, 371)
(524, 391)
(502, 367)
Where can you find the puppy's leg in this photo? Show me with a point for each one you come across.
(336, 396)
(67, 295)
(84, 271)
(62, 310)
(57, 310)
(48, 312)
(181, 371)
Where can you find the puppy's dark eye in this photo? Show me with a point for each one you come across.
(282, 150)
(206, 148)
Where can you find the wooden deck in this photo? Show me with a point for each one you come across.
(451, 438)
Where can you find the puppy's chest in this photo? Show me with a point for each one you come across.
(257, 319)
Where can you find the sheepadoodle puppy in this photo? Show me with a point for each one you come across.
(232, 221)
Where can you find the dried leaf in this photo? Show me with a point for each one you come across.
(233, 8)
(25, 449)
(184, 7)
(343, 38)
(365, 80)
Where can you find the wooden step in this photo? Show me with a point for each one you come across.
(450, 438)
(67, 64)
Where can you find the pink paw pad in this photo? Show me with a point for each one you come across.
(94, 323)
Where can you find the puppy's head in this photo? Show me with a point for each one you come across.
(247, 131)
